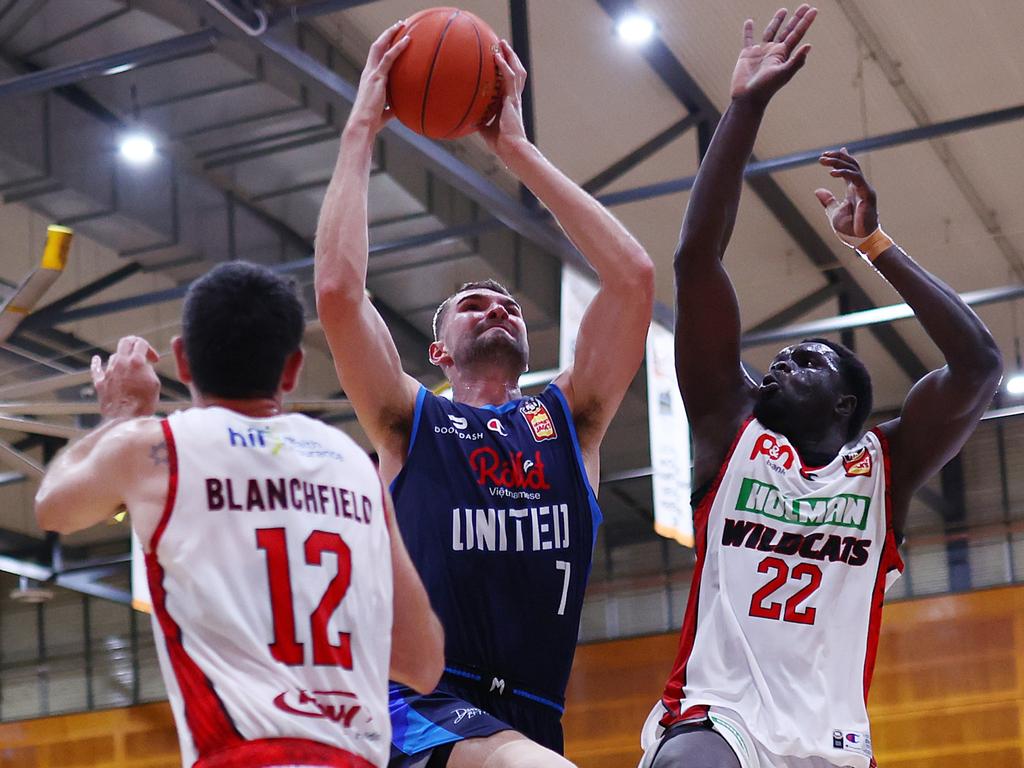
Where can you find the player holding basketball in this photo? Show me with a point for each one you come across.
(494, 491)
(798, 514)
(269, 548)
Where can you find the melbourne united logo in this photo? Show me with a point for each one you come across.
(338, 706)
(538, 419)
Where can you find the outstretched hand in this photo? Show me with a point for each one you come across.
(128, 386)
(763, 68)
(856, 216)
(506, 130)
(370, 107)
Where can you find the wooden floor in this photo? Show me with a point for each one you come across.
(948, 691)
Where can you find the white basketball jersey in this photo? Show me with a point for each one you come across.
(785, 607)
(270, 573)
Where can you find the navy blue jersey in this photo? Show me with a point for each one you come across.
(499, 517)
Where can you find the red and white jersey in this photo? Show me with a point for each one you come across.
(785, 606)
(270, 573)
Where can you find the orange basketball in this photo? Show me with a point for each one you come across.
(445, 84)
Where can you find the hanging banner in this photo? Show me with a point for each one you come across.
(577, 293)
(670, 440)
(141, 600)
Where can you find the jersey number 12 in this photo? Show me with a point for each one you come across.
(286, 648)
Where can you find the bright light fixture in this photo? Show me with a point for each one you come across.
(635, 28)
(137, 148)
(1015, 384)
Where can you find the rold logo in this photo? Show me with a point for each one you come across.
(495, 425)
(338, 706)
(514, 472)
(767, 445)
(858, 463)
(538, 419)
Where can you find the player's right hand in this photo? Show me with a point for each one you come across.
(763, 68)
(128, 386)
(370, 109)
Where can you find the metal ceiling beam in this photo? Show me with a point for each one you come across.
(810, 156)
(311, 9)
(650, 147)
(43, 316)
(179, 47)
(874, 316)
(797, 309)
(675, 77)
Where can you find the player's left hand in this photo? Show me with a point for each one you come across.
(856, 216)
(128, 386)
(763, 68)
(506, 132)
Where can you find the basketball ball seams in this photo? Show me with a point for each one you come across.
(476, 86)
(430, 73)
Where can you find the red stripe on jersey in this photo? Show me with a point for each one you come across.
(889, 559)
(672, 698)
(211, 726)
(269, 753)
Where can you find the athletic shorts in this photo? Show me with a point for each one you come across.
(750, 752)
(456, 711)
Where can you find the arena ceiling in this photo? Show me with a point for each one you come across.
(247, 125)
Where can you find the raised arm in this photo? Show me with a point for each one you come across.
(417, 639)
(365, 357)
(716, 391)
(121, 462)
(943, 408)
(610, 343)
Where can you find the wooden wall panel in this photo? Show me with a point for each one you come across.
(948, 687)
(948, 690)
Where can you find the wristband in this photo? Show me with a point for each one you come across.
(874, 244)
(869, 247)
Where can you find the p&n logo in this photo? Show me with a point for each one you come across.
(766, 445)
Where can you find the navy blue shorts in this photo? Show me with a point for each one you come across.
(457, 711)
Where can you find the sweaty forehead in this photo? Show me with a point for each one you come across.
(482, 293)
(811, 346)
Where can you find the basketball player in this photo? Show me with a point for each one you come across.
(494, 492)
(797, 513)
(271, 558)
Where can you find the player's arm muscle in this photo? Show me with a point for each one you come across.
(715, 389)
(365, 357)
(417, 640)
(88, 481)
(942, 409)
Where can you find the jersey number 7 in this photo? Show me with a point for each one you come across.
(286, 648)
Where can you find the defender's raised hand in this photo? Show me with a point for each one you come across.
(855, 216)
(763, 68)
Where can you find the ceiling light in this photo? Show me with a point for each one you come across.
(137, 148)
(1015, 384)
(635, 28)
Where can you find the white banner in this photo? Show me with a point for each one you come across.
(577, 293)
(670, 440)
(141, 600)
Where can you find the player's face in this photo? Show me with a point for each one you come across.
(803, 382)
(486, 326)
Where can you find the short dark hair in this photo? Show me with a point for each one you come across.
(240, 323)
(490, 285)
(857, 380)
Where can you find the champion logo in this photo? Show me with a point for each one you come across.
(337, 706)
(458, 422)
(495, 425)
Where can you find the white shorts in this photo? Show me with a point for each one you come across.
(749, 751)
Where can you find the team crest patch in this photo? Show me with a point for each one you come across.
(858, 463)
(539, 420)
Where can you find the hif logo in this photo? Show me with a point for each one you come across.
(255, 436)
(495, 425)
(337, 706)
(766, 445)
